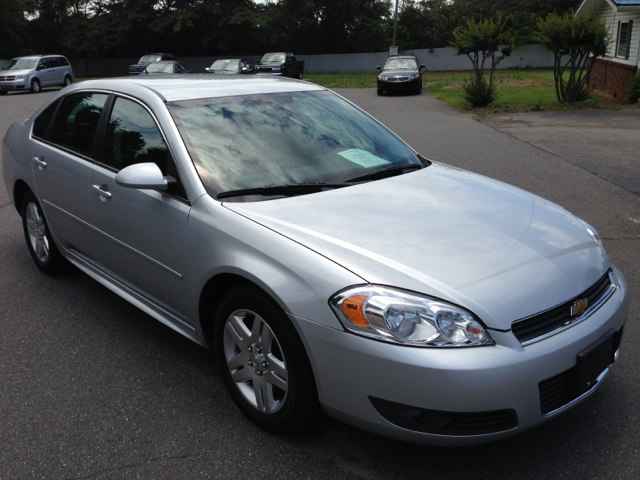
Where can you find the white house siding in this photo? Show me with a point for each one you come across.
(610, 17)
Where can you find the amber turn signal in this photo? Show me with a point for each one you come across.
(353, 308)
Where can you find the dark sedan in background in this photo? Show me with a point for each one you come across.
(402, 74)
(145, 60)
(168, 66)
(231, 65)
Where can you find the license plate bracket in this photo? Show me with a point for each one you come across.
(595, 359)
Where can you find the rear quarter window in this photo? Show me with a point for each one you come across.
(42, 120)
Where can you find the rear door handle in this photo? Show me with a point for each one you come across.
(103, 191)
(39, 161)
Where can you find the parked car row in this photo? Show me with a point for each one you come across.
(37, 71)
(281, 64)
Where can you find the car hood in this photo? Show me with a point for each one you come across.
(402, 73)
(11, 73)
(496, 250)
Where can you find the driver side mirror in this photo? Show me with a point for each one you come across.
(42, 66)
(144, 176)
(206, 69)
(378, 67)
(422, 66)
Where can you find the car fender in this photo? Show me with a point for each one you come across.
(223, 242)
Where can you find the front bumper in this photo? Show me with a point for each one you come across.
(352, 373)
(399, 86)
(12, 85)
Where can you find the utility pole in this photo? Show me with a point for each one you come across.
(395, 24)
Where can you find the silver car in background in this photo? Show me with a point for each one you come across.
(34, 72)
(326, 262)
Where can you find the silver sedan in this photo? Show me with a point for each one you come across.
(328, 264)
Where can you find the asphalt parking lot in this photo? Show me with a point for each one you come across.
(91, 387)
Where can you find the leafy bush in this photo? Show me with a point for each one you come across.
(538, 107)
(633, 90)
(478, 92)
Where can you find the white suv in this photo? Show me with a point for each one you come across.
(33, 73)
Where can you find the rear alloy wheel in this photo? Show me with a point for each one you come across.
(263, 362)
(35, 85)
(43, 250)
(67, 81)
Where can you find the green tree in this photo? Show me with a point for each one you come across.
(576, 41)
(14, 38)
(489, 39)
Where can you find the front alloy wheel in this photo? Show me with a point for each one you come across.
(263, 361)
(35, 85)
(255, 361)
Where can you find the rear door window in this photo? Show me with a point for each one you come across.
(77, 121)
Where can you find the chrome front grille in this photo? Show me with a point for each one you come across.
(540, 326)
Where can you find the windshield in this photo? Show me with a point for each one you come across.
(160, 68)
(225, 65)
(253, 141)
(21, 64)
(273, 57)
(150, 58)
(401, 64)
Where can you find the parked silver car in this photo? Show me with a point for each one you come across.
(326, 262)
(34, 72)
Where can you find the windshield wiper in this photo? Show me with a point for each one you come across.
(387, 172)
(287, 190)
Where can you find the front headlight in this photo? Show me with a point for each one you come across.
(380, 77)
(398, 317)
(593, 232)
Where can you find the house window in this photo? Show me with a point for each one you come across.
(624, 39)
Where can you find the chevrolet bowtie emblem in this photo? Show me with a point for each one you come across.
(579, 307)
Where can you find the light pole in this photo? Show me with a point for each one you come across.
(395, 24)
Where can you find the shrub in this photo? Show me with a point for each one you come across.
(478, 92)
(633, 90)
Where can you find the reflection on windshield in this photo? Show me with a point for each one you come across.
(160, 68)
(261, 140)
(225, 65)
(273, 57)
(150, 58)
(401, 64)
(21, 64)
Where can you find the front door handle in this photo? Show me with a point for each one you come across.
(103, 191)
(40, 162)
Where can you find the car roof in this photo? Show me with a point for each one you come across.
(197, 86)
(403, 57)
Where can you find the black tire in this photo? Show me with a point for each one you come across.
(380, 92)
(35, 86)
(300, 74)
(277, 390)
(3, 92)
(67, 81)
(41, 246)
